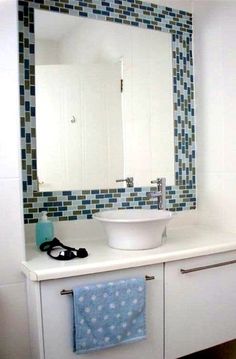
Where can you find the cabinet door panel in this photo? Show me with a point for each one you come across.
(57, 317)
(200, 306)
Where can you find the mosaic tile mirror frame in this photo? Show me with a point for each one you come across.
(81, 204)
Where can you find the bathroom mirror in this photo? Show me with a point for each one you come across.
(122, 132)
(104, 103)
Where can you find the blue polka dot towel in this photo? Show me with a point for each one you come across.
(108, 314)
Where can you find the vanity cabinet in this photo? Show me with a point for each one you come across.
(51, 317)
(200, 305)
(190, 306)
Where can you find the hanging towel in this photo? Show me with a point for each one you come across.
(108, 314)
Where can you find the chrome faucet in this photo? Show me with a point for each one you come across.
(129, 181)
(160, 193)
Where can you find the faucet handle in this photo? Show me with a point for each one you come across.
(158, 180)
(129, 181)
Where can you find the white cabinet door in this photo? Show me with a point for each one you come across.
(57, 317)
(200, 306)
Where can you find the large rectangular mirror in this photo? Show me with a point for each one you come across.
(104, 103)
(79, 131)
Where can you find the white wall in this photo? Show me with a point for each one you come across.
(215, 77)
(14, 343)
(215, 89)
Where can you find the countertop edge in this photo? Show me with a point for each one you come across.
(32, 275)
(118, 264)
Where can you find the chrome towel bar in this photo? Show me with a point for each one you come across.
(69, 291)
(196, 269)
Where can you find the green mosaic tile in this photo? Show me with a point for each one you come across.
(38, 194)
(113, 190)
(63, 218)
(116, 195)
(52, 199)
(108, 205)
(67, 203)
(52, 209)
(32, 210)
(81, 197)
(86, 192)
(104, 191)
(34, 220)
(28, 205)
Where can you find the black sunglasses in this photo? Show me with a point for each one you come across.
(67, 254)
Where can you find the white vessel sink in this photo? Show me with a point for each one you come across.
(134, 229)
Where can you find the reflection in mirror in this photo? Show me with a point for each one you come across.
(104, 103)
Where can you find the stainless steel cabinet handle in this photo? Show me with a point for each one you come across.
(196, 269)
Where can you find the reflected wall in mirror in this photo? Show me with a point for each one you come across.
(104, 103)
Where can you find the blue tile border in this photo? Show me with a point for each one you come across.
(68, 205)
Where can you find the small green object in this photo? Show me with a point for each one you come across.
(44, 230)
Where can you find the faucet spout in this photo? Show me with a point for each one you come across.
(154, 194)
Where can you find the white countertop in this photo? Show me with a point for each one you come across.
(183, 242)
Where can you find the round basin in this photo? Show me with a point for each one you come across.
(134, 229)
